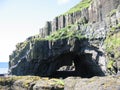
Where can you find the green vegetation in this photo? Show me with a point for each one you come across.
(67, 32)
(58, 82)
(83, 4)
(25, 81)
(37, 38)
(113, 44)
(29, 79)
(110, 64)
(112, 12)
(115, 27)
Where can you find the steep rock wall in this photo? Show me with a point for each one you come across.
(96, 12)
(43, 56)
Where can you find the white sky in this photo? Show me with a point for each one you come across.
(20, 19)
(63, 1)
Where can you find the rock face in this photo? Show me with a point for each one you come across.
(71, 83)
(30, 83)
(72, 44)
(96, 12)
(45, 57)
(95, 83)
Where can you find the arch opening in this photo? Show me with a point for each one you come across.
(71, 64)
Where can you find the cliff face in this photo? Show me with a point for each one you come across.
(95, 12)
(77, 41)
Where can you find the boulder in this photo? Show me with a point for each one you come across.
(95, 83)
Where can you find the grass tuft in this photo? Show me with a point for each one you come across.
(83, 4)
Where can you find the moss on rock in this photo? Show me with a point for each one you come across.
(26, 81)
(83, 4)
(112, 47)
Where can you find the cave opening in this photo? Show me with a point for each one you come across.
(71, 64)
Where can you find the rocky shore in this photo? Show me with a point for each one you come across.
(81, 46)
(30, 83)
(70, 83)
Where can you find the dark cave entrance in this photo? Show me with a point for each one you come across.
(71, 64)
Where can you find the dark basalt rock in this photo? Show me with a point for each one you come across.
(96, 12)
(71, 56)
(46, 57)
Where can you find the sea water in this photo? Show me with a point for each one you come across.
(3, 67)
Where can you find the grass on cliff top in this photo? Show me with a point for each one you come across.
(63, 33)
(83, 4)
(67, 32)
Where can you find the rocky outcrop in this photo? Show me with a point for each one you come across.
(46, 30)
(45, 57)
(30, 83)
(99, 9)
(95, 83)
(96, 12)
(74, 42)
(71, 83)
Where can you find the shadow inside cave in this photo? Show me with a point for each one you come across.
(82, 66)
(65, 74)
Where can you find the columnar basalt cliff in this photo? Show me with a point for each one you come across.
(96, 12)
(75, 43)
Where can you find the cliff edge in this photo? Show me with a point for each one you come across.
(84, 42)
